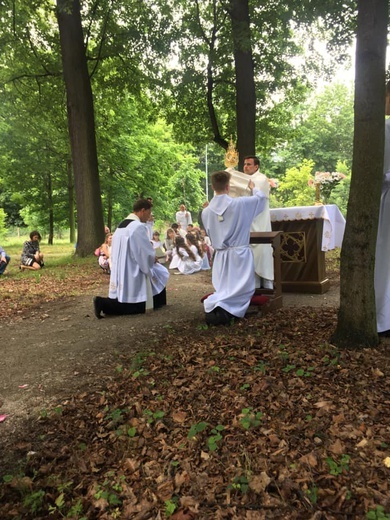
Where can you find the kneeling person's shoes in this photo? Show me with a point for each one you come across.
(97, 307)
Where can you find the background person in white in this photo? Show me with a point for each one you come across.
(382, 254)
(227, 222)
(137, 280)
(263, 254)
(183, 217)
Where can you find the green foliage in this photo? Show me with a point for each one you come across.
(240, 483)
(34, 501)
(215, 437)
(197, 428)
(2, 223)
(250, 418)
(170, 506)
(336, 468)
(293, 188)
(377, 514)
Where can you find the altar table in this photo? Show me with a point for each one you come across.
(307, 233)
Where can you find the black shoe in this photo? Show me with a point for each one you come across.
(212, 318)
(97, 307)
(384, 334)
(225, 318)
(219, 316)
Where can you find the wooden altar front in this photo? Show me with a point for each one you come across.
(307, 233)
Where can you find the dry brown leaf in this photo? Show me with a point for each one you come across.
(179, 417)
(337, 447)
(258, 483)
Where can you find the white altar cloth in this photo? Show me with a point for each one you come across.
(334, 222)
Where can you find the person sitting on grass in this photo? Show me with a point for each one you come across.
(185, 258)
(31, 257)
(4, 260)
(105, 254)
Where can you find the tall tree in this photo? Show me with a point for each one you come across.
(356, 326)
(245, 81)
(81, 125)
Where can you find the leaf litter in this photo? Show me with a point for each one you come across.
(264, 419)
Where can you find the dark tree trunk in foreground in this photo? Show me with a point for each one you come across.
(81, 125)
(245, 84)
(356, 326)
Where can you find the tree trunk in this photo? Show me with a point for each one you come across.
(81, 125)
(72, 226)
(51, 209)
(245, 83)
(356, 326)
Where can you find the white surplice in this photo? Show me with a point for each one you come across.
(134, 274)
(382, 255)
(227, 222)
(262, 253)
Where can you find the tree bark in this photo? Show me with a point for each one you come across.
(72, 224)
(81, 124)
(356, 325)
(245, 83)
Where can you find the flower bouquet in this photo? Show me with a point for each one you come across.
(324, 183)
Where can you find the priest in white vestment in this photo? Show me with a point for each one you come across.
(227, 222)
(382, 255)
(263, 254)
(137, 280)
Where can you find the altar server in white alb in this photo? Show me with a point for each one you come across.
(137, 280)
(382, 255)
(227, 222)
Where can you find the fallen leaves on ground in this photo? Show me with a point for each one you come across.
(21, 291)
(261, 420)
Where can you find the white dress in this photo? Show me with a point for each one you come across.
(186, 265)
(382, 255)
(134, 274)
(227, 222)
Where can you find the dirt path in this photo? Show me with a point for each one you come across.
(61, 348)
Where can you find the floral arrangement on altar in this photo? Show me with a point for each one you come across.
(324, 183)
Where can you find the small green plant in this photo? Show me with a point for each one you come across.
(196, 428)
(215, 437)
(283, 353)
(215, 369)
(377, 514)
(140, 372)
(239, 484)
(250, 418)
(336, 468)
(132, 431)
(34, 501)
(153, 416)
(305, 373)
(115, 417)
(245, 386)
(288, 368)
(260, 367)
(170, 506)
(312, 494)
(202, 326)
